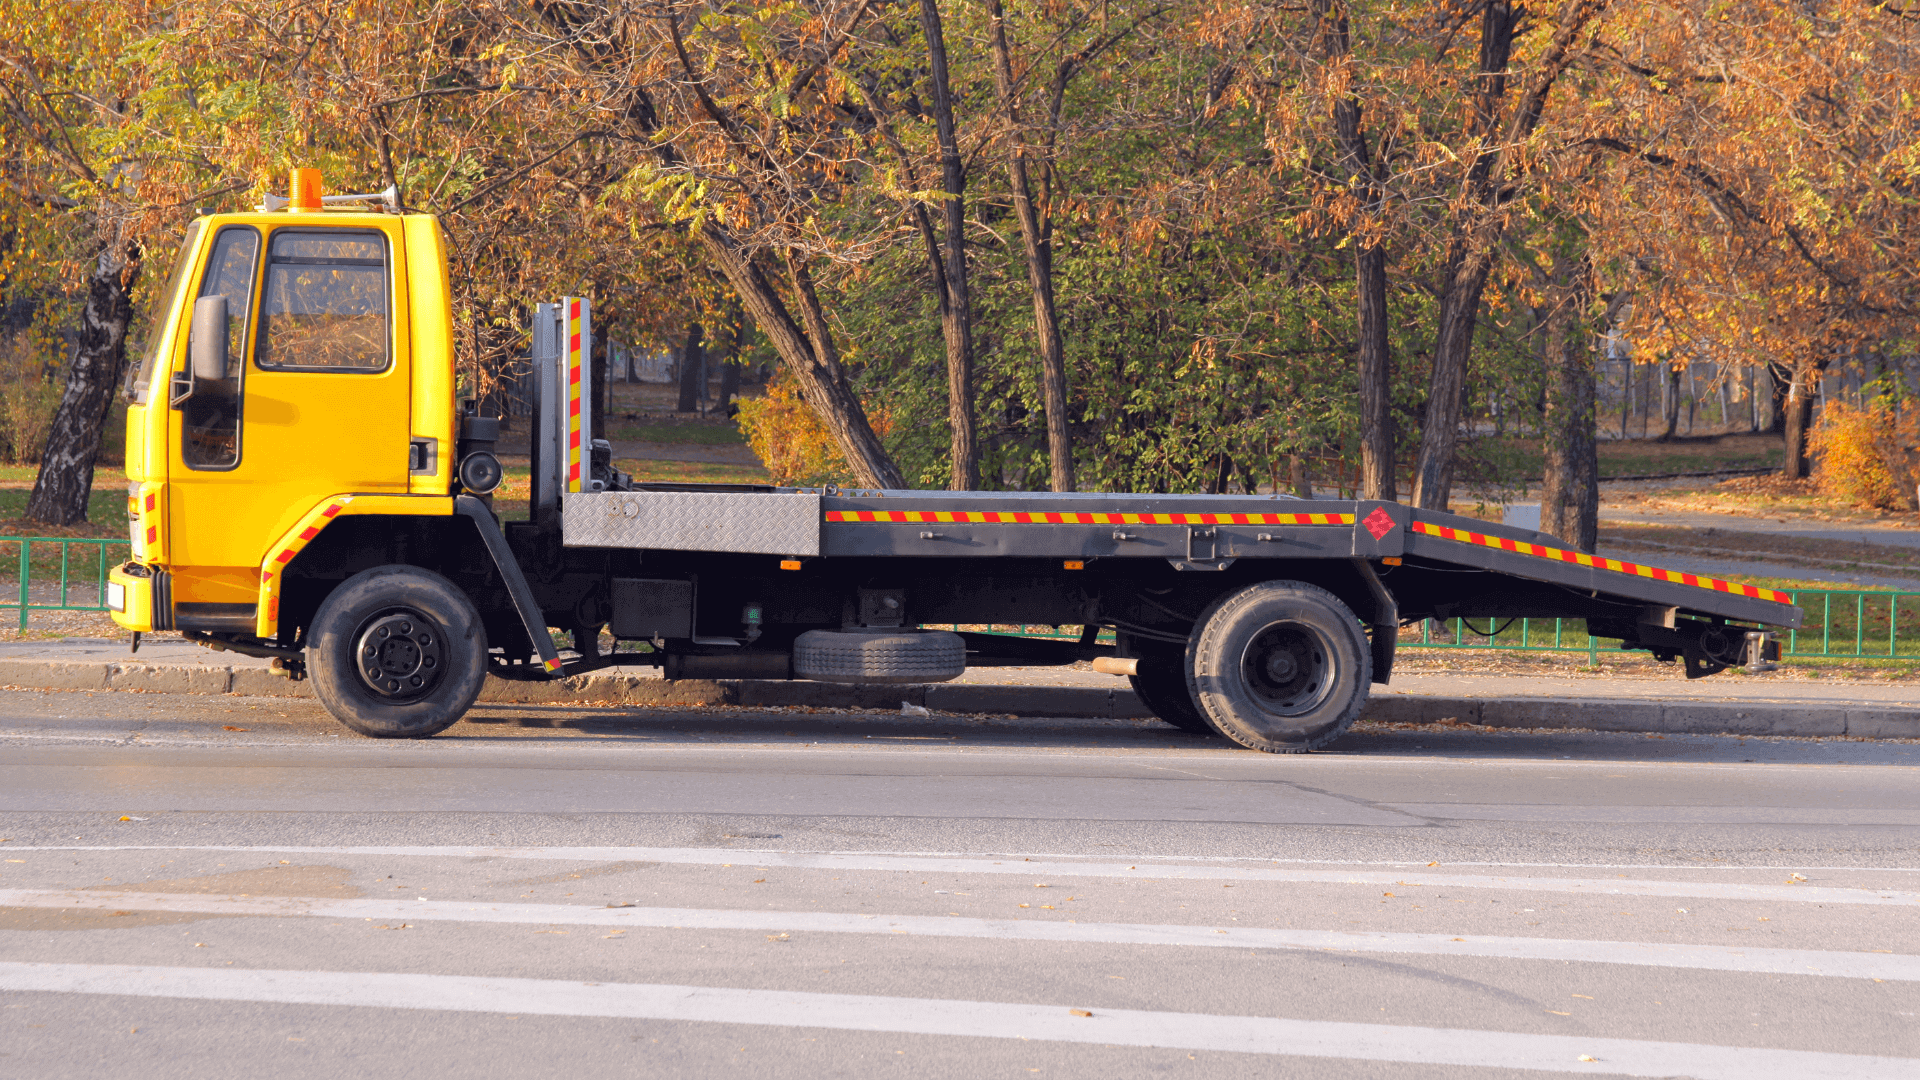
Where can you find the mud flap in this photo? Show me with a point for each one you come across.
(1384, 627)
(531, 618)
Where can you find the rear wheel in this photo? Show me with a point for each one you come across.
(397, 652)
(1162, 687)
(1281, 666)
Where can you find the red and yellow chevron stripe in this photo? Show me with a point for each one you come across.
(575, 360)
(267, 604)
(267, 617)
(1561, 555)
(1008, 517)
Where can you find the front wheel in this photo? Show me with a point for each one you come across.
(397, 652)
(1281, 666)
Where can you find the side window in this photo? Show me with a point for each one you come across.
(325, 305)
(210, 420)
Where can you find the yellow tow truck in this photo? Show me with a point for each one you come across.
(305, 487)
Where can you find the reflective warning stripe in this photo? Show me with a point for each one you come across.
(308, 528)
(267, 612)
(1005, 517)
(576, 360)
(1580, 558)
(267, 604)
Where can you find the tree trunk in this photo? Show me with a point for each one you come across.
(1670, 404)
(1570, 495)
(1777, 387)
(65, 483)
(811, 357)
(1797, 415)
(1377, 451)
(1452, 347)
(1481, 223)
(1038, 242)
(956, 319)
(1370, 268)
(1297, 476)
(693, 365)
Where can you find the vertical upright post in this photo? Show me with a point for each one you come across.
(545, 496)
(1859, 623)
(577, 363)
(1893, 624)
(26, 567)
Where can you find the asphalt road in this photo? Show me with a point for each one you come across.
(208, 888)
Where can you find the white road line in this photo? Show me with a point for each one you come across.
(966, 1019)
(1705, 890)
(1849, 965)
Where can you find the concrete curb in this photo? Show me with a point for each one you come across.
(1652, 715)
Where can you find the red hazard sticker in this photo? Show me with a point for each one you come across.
(1379, 523)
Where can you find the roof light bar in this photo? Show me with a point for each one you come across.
(306, 195)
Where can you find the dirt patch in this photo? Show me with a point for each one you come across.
(591, 872)
(329, 882)
(1749, 496)
(39, 918)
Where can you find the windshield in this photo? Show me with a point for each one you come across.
(140, 377)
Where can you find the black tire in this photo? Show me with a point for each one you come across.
(1281, 666)
(1162, 687)
(417, 633)
(879, 656)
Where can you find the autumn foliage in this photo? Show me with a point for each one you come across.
(1869, 455)
(1255, 239)
(788, 437)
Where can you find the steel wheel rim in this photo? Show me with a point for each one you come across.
(400, 654)
(1288, 668)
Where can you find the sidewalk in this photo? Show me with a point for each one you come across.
(1727, 704)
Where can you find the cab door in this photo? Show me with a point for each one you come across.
(316, 403)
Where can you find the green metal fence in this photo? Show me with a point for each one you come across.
(1840, 623)
(1856, 623)
(59, 569)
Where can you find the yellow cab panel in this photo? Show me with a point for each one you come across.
(317, 400)
(136, 597)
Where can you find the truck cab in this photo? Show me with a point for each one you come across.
(337, 379)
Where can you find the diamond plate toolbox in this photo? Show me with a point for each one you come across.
(765, 523)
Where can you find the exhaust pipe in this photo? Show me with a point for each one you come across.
(1117, 665)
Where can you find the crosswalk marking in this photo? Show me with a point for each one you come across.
(937, 864)
(1852, 965)
(968, 1019)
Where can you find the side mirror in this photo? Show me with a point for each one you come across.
(207, 343)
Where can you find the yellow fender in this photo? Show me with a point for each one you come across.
(267, 617)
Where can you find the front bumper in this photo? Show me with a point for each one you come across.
(140, 597)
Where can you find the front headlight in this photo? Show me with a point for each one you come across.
(116, 596)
